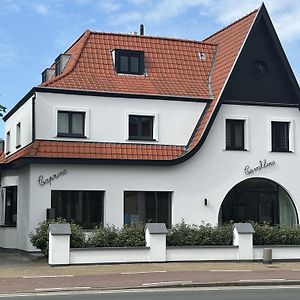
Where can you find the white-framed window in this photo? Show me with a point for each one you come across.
(281, 135)
(18, 135)
(236, 133)
(71, 122)
(141, 126)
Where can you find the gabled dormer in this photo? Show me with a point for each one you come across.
(60, 63)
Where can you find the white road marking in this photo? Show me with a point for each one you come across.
(167, 283)
(149, 272)
(230, 270)
(259, 280)
(46, 276)
(62, 288)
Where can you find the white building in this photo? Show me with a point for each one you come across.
(129, 128)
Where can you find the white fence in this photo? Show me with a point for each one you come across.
(155, 249)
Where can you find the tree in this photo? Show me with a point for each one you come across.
(2, 110)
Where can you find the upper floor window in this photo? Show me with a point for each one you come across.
(7, 143)
(129, 62)
(18, 135)
(235, 134)
(70, 124)
(280, 136)
(141, 127)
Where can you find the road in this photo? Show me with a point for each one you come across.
(254, 293)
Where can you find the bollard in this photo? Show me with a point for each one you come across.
(267, 256)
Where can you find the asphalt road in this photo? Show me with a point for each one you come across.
(274, 293)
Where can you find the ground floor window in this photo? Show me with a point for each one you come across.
(10, 205)
(84, 207)
(146, 207)
(259, 200)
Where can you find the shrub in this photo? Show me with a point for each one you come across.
(131, 235)
(103, 236)
(40, 238)
(266, 234)
(183, 234)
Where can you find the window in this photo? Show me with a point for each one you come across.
(10, 206)
(129, 62)
(280, 136)
(18, 135)
(70, 124)
(84, 207)
(140, 127)
(57, 67)
(7, 140)
(147, 207)
(235, 134)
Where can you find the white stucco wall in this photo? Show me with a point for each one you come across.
(24, 116)
(209, 174)
(107, 117)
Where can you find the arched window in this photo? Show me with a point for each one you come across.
(259, 200)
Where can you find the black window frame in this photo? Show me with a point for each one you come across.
(151, 205)
(69, 133)
(18, 135)
(277, 143)
(230, 125)
(11, 206)
(129, 54)
(68, 207)
(7, 143)
(140, 136)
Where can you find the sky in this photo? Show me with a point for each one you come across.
(34, 32)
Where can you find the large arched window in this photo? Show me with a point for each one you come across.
(259, 200)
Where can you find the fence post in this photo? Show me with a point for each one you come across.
(243, 238)
(155, 235)
(59, 244)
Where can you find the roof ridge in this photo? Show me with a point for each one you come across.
(231, 24)
(153, 37)
(84, 38)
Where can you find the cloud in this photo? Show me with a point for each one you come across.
(11, 6)
(41, 9)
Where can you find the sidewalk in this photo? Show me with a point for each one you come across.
(22, 273)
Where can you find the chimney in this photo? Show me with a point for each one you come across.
(142, 29)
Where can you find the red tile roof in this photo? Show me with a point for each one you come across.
(173, 69)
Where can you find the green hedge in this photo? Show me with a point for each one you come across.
(266, 234)
(40, 238)
(183, 234)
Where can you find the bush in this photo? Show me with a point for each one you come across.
(265, 234)
(183, 234)
(40, 238)
(131, 235)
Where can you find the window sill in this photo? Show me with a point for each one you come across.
(18, 146)
(7, 153)
(228, 149)
(6, 225)
(142, 139)
(281, 151)
(71, 136)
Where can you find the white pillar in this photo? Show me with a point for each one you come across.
(59, 244)
(155, 234)
(243, 238)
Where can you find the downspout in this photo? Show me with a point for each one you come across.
(33, 116)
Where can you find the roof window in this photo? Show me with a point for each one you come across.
(129, 62)
(47, 74)
(61, 62)
(202, 55)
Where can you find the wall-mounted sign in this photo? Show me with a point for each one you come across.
(261, 165)
(48, 180)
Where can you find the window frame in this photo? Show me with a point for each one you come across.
(8, 142)
(68, 110)
(245, 133)
(129, 54)
(290, 123)
(89, 226)
(8, 220)
(137, 138)
(140, 196)
(18, 135)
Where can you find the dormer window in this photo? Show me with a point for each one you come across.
(129, 62)
(61, 62)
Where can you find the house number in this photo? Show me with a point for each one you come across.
(48, 180)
